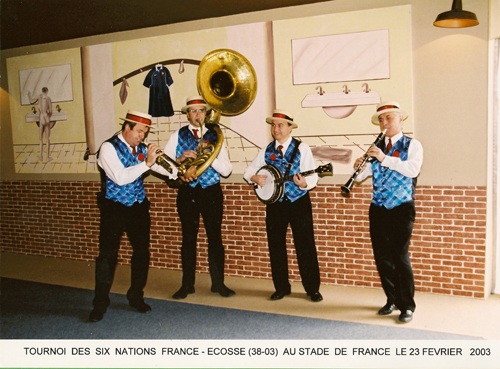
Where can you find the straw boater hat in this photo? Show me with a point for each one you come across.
(282, 115)
(139, 118)
(386, 107)
(195, 101)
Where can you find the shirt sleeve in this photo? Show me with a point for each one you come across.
(171, 146)
(364, 174)
(111, 164)
(410, 167)
(221, 163)
(257, 163)
(159, 169)
(307, 163)
(148, 80)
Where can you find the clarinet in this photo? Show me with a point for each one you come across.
(347, 187)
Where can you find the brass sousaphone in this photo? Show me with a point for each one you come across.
(227, 82)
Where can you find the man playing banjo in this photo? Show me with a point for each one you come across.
(290, 157)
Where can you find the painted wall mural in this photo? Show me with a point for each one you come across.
(328, 70)
(56, 78)
(357, 56)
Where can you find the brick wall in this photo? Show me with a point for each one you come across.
(60, 219)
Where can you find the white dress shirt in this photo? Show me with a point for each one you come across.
(221, 163)
(409, 168)
(306, 163)
(112, 165)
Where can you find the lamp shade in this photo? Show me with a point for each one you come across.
(456, 17)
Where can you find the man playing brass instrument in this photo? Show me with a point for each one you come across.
(202, 195)
(294, 208)
(394, 171)
(124, 160)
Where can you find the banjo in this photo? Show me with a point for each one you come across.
(274, 188)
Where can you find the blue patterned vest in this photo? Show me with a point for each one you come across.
(391, 188)
(188, 142)
(273, 157)
(130, 193)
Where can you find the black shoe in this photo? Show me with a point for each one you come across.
(278, 295)
(140, 306)
(316, 297)
(223, 291)
(183, 292)
(406, 316)
(387, 309)
(96, 316)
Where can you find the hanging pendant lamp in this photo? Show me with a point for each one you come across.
(456, 17)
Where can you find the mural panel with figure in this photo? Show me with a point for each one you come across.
(336, 134)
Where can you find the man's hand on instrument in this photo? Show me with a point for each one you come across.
(186, 154)
(204, 146)
(376, 153)
(358, 162)
(260, 179)
(152, 154)
(300, 180)
(190, 175)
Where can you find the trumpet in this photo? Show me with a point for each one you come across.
(347, 187)
(167, 162)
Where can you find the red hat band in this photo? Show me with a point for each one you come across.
(196, 102)
(283, 116)
(137, 119)
(387, 107)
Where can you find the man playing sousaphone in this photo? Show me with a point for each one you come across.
(199, 195)
(290, 156)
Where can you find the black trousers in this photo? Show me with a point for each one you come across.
(116, 217)
(299, 215)
(209, 202)
(390, 232)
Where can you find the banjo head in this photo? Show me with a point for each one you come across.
(271, 191)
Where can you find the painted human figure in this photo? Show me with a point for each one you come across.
(45, 109)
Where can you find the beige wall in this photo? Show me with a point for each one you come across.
(450, 85)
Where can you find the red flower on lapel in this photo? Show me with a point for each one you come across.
(395, 154)
(141, 157)
(273, 157)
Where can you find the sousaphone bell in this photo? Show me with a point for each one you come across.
(228, 83)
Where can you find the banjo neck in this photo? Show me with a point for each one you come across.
(290, 177)
(321, 169)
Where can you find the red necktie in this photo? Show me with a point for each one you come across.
(281, 152)
(389, 146)
(195, 132)
(133, 151)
